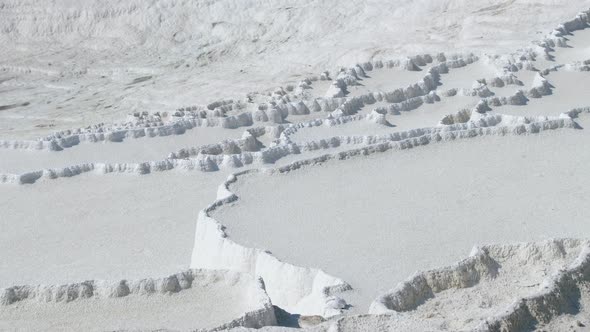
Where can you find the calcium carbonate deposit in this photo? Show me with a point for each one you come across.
(329, 165)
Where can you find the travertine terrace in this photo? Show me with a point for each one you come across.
(214, 165)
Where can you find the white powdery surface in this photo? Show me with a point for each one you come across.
(80, 62)
(371, 220)
(178, 311)
(579, 50)
(132, 150)
(359, 127)
(374, 221)
(385, 80)
(205, 300)
(100, 226)
(429, 115)
(485, 291)
(574, 321)
(463, 78)
(570, 91)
